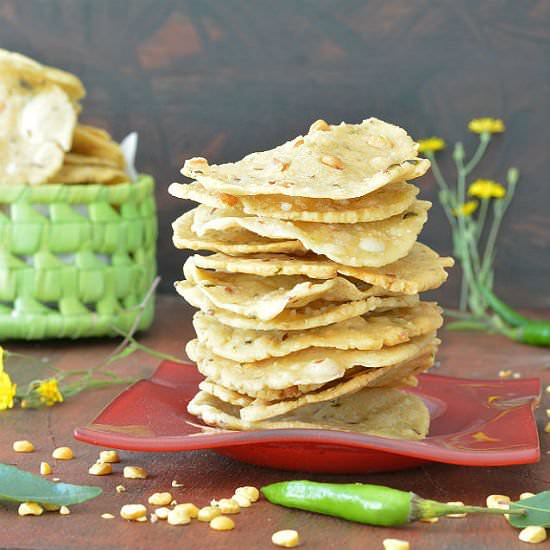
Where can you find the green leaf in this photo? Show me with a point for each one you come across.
(538, 511)
(20, 486)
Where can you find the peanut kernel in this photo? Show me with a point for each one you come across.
(133, 511)
(23, 446)
(64, 511)
(100, 469)
(63, 453)
(208, 513)
(30, 509)
(532, 534)
(109, 456)
(226, 505)
(178, 516)
(251, 493)
(498, 501)
(160, 499)
(45, 469)
(222, 523)
(287, 538)
(188, 508)
(396, 544)
(162, 513)
(134, 472)
(525, 495)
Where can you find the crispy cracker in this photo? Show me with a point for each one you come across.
(304, 368)
(266, 297)
(347, 161)
(36, 126)
(384, 412)
(383, 203)
(372, 332)
(95, 142)
(315, 314)
(399, 375)
(81, 173)
(361, 244)
(232, 242)
(422, 269)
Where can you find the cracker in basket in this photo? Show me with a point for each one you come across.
(316, 314)
(82, 173)
(384, 412)
(95, 142)
(361, 244)
(372, 332)
(312, 366)
(78, 159)
(399, 375)
(36, 126)
(232, 242)
(422, 269)
(331, 162)
(266, 297)
(36, 74)
(383, 203)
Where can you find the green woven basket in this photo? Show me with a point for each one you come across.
(76, 260)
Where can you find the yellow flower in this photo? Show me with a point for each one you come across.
(486, 189)
(7, 388)
(431, 145)
(486, 125)
(466, 209)
(49, 392)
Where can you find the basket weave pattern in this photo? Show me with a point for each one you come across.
(75, 260)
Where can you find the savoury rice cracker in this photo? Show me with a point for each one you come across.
(309, 314)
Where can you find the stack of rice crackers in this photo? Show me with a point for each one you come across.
(41, 140)
(309, 311)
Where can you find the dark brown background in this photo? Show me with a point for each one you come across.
(224, 78)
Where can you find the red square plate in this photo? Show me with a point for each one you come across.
(474, 423)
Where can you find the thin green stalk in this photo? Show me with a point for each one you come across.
(444, 188)
(484, 140)
(482, 217)
(467, 325)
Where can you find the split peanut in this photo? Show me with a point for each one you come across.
(63, 453)
(109, 456)
(23, 446)
(134, 472)
(45, 469)
(287, 538)
(133, 511)
(533, 534)
(160, 499)
(30, 509)
(396, 544)
(100, 469)
(222, 523)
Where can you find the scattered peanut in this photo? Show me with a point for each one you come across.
(176, 484)
(516, 375)
(396, 544)
(45, 469)
(242, 501)
(107, 516)
(319, 126)
(287, 538)
(109, 456)
(160, 499)
(188, 508)
(498, 501)
(532, 534)
(162, 513)
(23, 446)
(64, 511)
(178, 516)
(208, 513)
(525, 495)
(251, 493)
(457, 503)
(505, 373)
(100, 469)
(222, 523)
(30, 509)
(133, 511)
(63, 453)
(56, 479)
(429, 520)
(134, 472)
(120, 489)
(332, 161)
(226, 505)
(153, 518)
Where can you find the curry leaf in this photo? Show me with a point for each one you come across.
(20, 486)
(537, 508)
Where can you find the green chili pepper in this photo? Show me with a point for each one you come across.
(504, 311)
(527, 331)
(370, 504)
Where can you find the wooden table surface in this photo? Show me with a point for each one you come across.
(206, 475)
